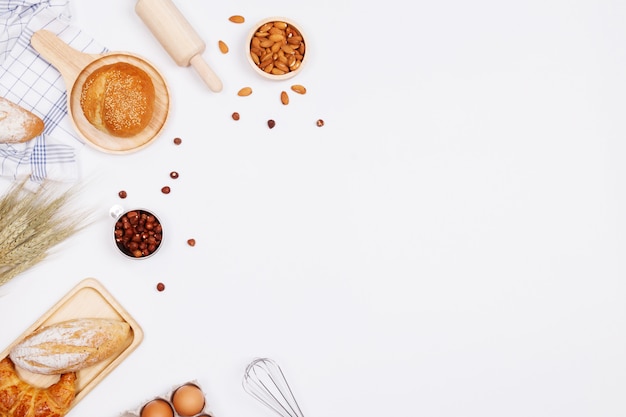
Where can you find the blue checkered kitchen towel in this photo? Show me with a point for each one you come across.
(30, 81)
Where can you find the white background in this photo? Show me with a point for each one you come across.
(449, 244)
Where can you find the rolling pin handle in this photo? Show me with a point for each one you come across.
(207, 74)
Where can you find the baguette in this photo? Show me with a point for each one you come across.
(17, 124)
(71, 345)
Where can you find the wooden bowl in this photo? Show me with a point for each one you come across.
(76, 66)
(288, 47)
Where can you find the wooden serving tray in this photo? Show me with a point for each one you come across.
(75, 67)
(88, 299)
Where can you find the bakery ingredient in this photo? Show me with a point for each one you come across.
(319, 123)
(160, 287)
(184, 400)
(17, 124)
(300, 89)
(277, 48)
(284, 97)
(157, 408)
(178, 141)
(180, 40)
(188, 400)
(223, 47)
(271, 123)
(174, 175)
(19, 399)
(235, 116)
(71, 345)
(237, 19)
(245, 91)
(166, 190)
(118, 99)
(122, 194)
(33, 222)
(138, 233)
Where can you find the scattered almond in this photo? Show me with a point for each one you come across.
(284, 97)
(223, 47)
(300, 89)
(237, 19)
(246, 91)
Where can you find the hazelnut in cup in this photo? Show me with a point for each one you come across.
(138, 233)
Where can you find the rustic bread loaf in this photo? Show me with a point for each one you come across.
(71, 345)
(118, 99)
(17, 124)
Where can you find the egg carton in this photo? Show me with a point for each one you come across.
(182, 400)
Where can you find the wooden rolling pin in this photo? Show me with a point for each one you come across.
(178, 37)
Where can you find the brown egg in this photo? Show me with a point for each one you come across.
(157, 408)
(188, 400)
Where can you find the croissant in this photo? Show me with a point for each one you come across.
(19, 399)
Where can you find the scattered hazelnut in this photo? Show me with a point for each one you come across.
(173, 174)
(160, 286)
(123, 194)
(271, 123)
(178, 141)
(319, 123)
(166, 190)
(191, 242)
(235, 116)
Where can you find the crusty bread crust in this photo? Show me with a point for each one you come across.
(118, 99)
(71, 345)
(17, 124)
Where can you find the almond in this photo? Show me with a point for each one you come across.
(282, 66)
(223, 47)
(246, 91)
(237, 19)
(300, 89)
(284, 98)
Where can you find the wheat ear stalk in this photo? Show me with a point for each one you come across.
(31, 223)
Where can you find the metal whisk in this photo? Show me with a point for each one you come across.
(265, 381)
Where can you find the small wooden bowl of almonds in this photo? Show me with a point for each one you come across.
(276, 48)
